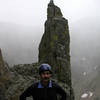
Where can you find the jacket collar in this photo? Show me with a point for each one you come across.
(41, 86)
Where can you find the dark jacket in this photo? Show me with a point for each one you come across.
(44, 93)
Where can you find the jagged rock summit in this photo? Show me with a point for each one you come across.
(54, 47)
(53, 11)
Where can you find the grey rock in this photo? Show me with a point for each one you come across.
(4, 77)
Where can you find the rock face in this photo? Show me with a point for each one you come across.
(54, 46)
(1, 73)
(1, 64)
(3, 77)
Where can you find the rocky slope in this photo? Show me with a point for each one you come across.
(88, 86)
(85, 55)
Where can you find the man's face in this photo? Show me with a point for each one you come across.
(45, 76)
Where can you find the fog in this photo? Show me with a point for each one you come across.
(22, 26)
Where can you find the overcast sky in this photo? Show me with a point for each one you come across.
(33, 12)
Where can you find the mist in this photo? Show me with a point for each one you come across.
(22, 26)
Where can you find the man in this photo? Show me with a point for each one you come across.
(45, 89)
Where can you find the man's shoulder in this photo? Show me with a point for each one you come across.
(34, 85)
(54, 84)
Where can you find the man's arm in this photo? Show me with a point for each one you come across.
(61, 92)
(26, 93)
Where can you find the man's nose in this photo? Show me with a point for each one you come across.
(45, 75)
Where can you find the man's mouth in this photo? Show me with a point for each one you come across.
(45, 78)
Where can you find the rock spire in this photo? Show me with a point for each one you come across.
(53, 11)
(54, 47)
(51, 1)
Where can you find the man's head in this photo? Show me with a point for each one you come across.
(45, 72)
